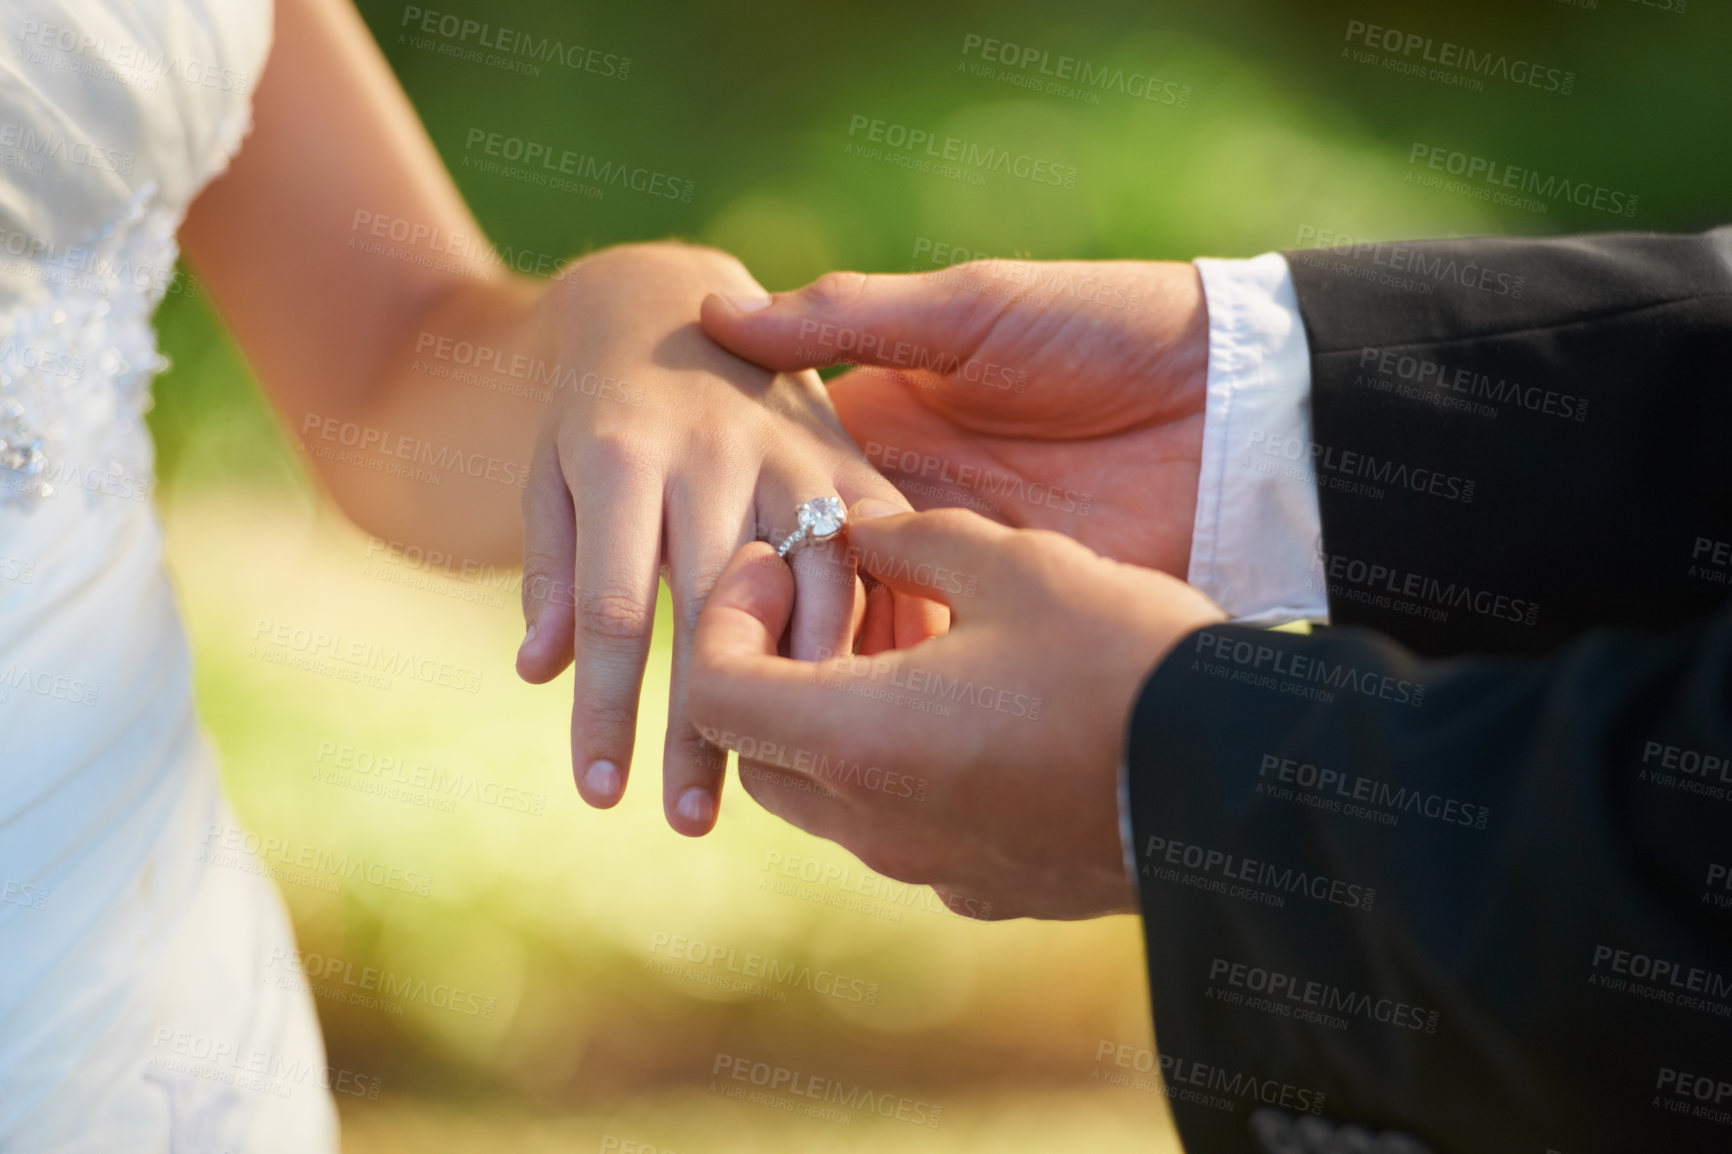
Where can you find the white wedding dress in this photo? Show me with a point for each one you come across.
(134, 1015)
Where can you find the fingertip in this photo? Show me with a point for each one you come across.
(721, 313)
(601, 785)
(756, 580)
(871, 508)
(544, 652)
(694, 815)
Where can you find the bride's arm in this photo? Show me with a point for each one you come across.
(330, 322)
(639, 435)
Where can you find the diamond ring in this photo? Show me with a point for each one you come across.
(820, 519)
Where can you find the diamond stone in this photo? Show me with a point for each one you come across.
(823, 517)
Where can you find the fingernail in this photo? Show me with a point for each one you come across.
(601, 781)
(747, 302)
(695, 806)
(528, 638)
(870, 507)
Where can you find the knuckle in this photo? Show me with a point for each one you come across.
(604, 718)
(615, 455)
(725, 447)
(687, 748)
(542, 583)
(611, 615)
(835, 290)
(972, 272)
(690, 603)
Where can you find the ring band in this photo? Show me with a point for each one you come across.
(820, 519)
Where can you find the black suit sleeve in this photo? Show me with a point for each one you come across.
(1518, 440)
(1458, 868)
(1480, 901)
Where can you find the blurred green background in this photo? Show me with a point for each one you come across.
(564, 918)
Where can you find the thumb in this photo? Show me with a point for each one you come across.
(952, 556)
(890, 320)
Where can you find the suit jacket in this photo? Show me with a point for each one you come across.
(1456, 873)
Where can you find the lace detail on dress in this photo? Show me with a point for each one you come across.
(76, 367)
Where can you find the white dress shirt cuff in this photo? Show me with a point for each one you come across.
(1256, 542)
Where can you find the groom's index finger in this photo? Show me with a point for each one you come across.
(909, 321)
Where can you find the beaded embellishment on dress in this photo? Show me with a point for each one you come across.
(76, 367)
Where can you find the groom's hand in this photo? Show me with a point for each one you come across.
(983, 762)
(1057, 395)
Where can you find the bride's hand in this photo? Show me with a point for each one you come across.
(664, 453)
